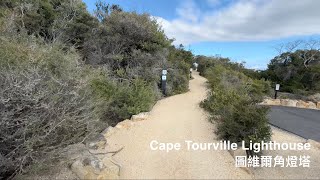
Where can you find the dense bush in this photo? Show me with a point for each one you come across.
(232, 103)
(177, 82)
(179, 62)
(66, 75)
(119, 101)
(45, 102)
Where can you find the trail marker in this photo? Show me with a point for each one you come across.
(277, 88)
(164, 81)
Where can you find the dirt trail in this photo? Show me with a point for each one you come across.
(174, 119)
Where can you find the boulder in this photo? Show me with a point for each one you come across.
(93, 168)
(98, 142)
(87, 168)
(318, 105)
(302, 104)
(289, 102)
(140, 117)
(311, 105)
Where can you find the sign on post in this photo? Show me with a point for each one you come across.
(164, 81)
(276, 91)
(164, 72)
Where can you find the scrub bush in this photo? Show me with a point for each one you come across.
(119, 101)
(178, 79)
(45, 102)
(66, 75)
(234, 99)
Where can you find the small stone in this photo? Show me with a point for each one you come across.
(93, 168)
(119, 126)
(140, 117)
(125, 124)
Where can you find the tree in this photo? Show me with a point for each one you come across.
(296, 68)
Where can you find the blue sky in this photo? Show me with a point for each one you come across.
(243, 30)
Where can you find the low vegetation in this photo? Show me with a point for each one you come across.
(66, 75)
(233, 100)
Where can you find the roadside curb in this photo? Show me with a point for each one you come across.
(291, 103)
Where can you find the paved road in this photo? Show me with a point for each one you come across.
(302, 122)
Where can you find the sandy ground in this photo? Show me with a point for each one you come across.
(174, 120)
(281, 136)
(179, 118)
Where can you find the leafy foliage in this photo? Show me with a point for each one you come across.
(232, 103)
(120, 101)
(66, 75)
(293, 73)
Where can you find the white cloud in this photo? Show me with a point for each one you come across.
(244, 20)
(189, 11)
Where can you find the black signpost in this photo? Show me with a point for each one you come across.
(277, 88)
(164, 81)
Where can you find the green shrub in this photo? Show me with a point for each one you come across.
(247, 122)
(178, 79)
(119, 101)
(233, 104)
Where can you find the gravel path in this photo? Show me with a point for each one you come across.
(174, 120)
